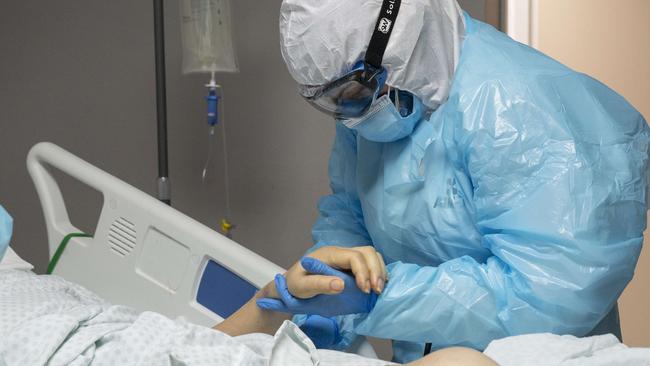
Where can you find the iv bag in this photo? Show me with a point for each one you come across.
(206, 34)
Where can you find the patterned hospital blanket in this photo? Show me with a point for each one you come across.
(45, 320)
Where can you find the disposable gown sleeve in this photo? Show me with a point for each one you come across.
(340, 221)
(559, 196)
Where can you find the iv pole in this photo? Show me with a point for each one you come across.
(164, 184)
(163, 181)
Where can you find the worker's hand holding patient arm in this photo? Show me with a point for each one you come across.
(330, 281)
(366, 264)
(324, 274)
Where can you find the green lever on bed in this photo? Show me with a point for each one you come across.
(61, 249)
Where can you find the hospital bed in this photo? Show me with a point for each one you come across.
(149, 256)
(144, 253)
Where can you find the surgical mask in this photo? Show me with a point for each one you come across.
(383, 122)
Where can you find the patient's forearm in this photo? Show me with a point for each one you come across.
(251, 319)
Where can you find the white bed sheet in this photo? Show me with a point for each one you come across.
(47, 320)
(546, 349)
(97, 331)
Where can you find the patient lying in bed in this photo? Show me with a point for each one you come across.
(47, 320)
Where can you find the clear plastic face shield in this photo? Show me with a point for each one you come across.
(352, 94)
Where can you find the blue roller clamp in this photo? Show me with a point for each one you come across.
(213, 102)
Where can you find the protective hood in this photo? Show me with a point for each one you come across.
(322, 39)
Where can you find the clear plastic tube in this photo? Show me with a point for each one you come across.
(226, 225)
(208, 160)
(226, 170)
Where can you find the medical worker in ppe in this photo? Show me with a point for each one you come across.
(505, 191)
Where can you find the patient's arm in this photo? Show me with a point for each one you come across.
(251, 319)
(367, 266)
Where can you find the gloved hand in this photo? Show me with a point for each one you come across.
(324, 332)
(350, 301)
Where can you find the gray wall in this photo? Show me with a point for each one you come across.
(80, 74)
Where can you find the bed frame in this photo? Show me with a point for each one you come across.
(144, 253)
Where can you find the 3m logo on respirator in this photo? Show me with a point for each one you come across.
(384, 25)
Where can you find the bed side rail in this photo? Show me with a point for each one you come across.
(144, 253)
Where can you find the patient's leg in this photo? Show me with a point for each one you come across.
(455, 356)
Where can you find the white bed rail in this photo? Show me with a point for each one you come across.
(144, 253)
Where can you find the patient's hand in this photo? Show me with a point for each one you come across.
(321, 284)
(351, 300)
(365, 263)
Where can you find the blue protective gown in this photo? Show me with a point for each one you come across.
(517, 207)
(6, 225)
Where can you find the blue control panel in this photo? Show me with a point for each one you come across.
(222, 291)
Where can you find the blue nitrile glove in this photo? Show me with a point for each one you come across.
(351, 301)
(324, 332)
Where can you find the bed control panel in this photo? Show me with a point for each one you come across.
(223, 291)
